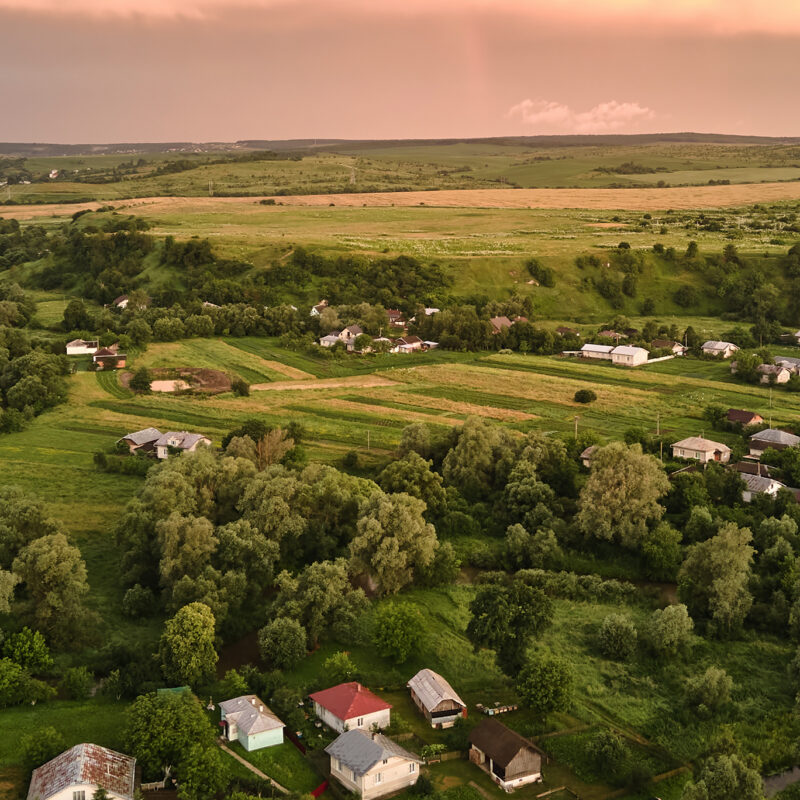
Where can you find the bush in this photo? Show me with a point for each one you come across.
(710, 691)
(609, 754)
(141, 380)
(139, 601)
(339, 668)
(618, 637)
(39, 747)
(585, 396)
(396, 631)
(241, 388)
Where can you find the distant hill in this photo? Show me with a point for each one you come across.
(44, 149)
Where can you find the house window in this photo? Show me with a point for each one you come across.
(412, 767)
(339, 766)
(378, 777)
(360, 721)
(385, 761)
(79, 795)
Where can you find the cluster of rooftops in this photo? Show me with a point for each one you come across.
(151, 441)
(104, 357)
(362, 759)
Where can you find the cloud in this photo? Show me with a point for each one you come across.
(546, 116)
(712, 17)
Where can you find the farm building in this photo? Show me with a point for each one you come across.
(371, 764)
(318, 308)
(586, 456)
(700, 449)
(180, 440)
(351, 705)
(564, 331)
(330, 340)
(508, 758)
(629, 356)
(601, 351)
(609, 334)
(144, 439)
(82, 347)
(436, 699)
(431, 310)
(247, 720)
(772, 439)
(758, 484)
(109, 358)
(773, 373)
(668, 344)
(500, 324)
(407, 344)
(77, 773)
(120, 302)
(752, 468)
(744, 418)
(395, 317)
(720, 349)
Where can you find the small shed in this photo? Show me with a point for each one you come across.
(436, 699)
(247, 720)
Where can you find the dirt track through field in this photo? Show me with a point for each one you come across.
(689, 197)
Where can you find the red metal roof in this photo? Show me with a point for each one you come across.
(349, 700)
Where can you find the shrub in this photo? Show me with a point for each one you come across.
(610, 754)
(585, 396)
(241, 388)
(340, 668)
(141, 380)
(396, 631)
(76, 683)
(710, 691)
(618, 637)
(139, 601)
(39, 747)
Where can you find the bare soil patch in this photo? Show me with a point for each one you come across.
(198, 379)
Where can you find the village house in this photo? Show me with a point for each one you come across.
(351, 705)
(396, 317)
(180, 440)
(318, 308)
(600, 351)
(609, 334)
(792, 364)
(120, 302)
(330, 339)
(429, 345)
(349, 336)
(719, 349)
(509, 759)
(758, 484)
(371, 765)
(109, 358)
(587, 454)
(82, 347)
(564, 331)
(431, 310)
(629, 356)
(144, 440)
(247, 720)
(669, 344)
(77, 773)
(500, 324)
(744, 418)
(773, 373)
(702, 450)
(436, 699)
(771, 438)
(752, 468)
(407, 344)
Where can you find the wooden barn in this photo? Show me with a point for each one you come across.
(436, 699)
(508, 758)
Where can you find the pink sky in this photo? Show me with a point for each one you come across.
(215, 70)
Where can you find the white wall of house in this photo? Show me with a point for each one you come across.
(379, 719)
(699, 455)
(80, 350)
(384, 778)
(486, 764)
(88, 789)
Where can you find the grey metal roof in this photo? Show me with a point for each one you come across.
(143, 436)
(250, 714)
(597, 348)
(758, 483)
(360, 751)
(713, 344)
(185, 440)
(628, 350)
(701, 444)
(776, 436)
(432, 688)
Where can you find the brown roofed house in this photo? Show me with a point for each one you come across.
(500, 324)
(508, 758)
(744, 418)
(669, 344)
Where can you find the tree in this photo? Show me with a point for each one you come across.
(618, 637)
(708, 692)
(54, 576)
(23, 518)
(669, 629)
(620, 498)
(76, 683)
(713, 581)
(609, 753)
(282, 642)
(139, 331)
(340, 668)
(413, 475)
(723, 777)
(186, 544)
(39, 747)
(28, 649)
(203, 772)
(76, 317)
(141, 380)
(661, 552)
(397, 630)
(392, 540)
(8, 583)
(504, 617)
(162, 729)
(532, 551)
(186, 649)
(545, 684)
(584, 396)
(17, 686)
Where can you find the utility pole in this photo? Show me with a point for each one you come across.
(367, 440)
(658, 424)
(211, 188)
(576, 428)
(661, 455)
(770, 407)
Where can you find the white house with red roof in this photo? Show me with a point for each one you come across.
(77, 773)
(349, 706)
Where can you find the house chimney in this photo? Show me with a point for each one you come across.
(252, 701)
(261, 708)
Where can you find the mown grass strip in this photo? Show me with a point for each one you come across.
(375, 401)
(109, 382)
